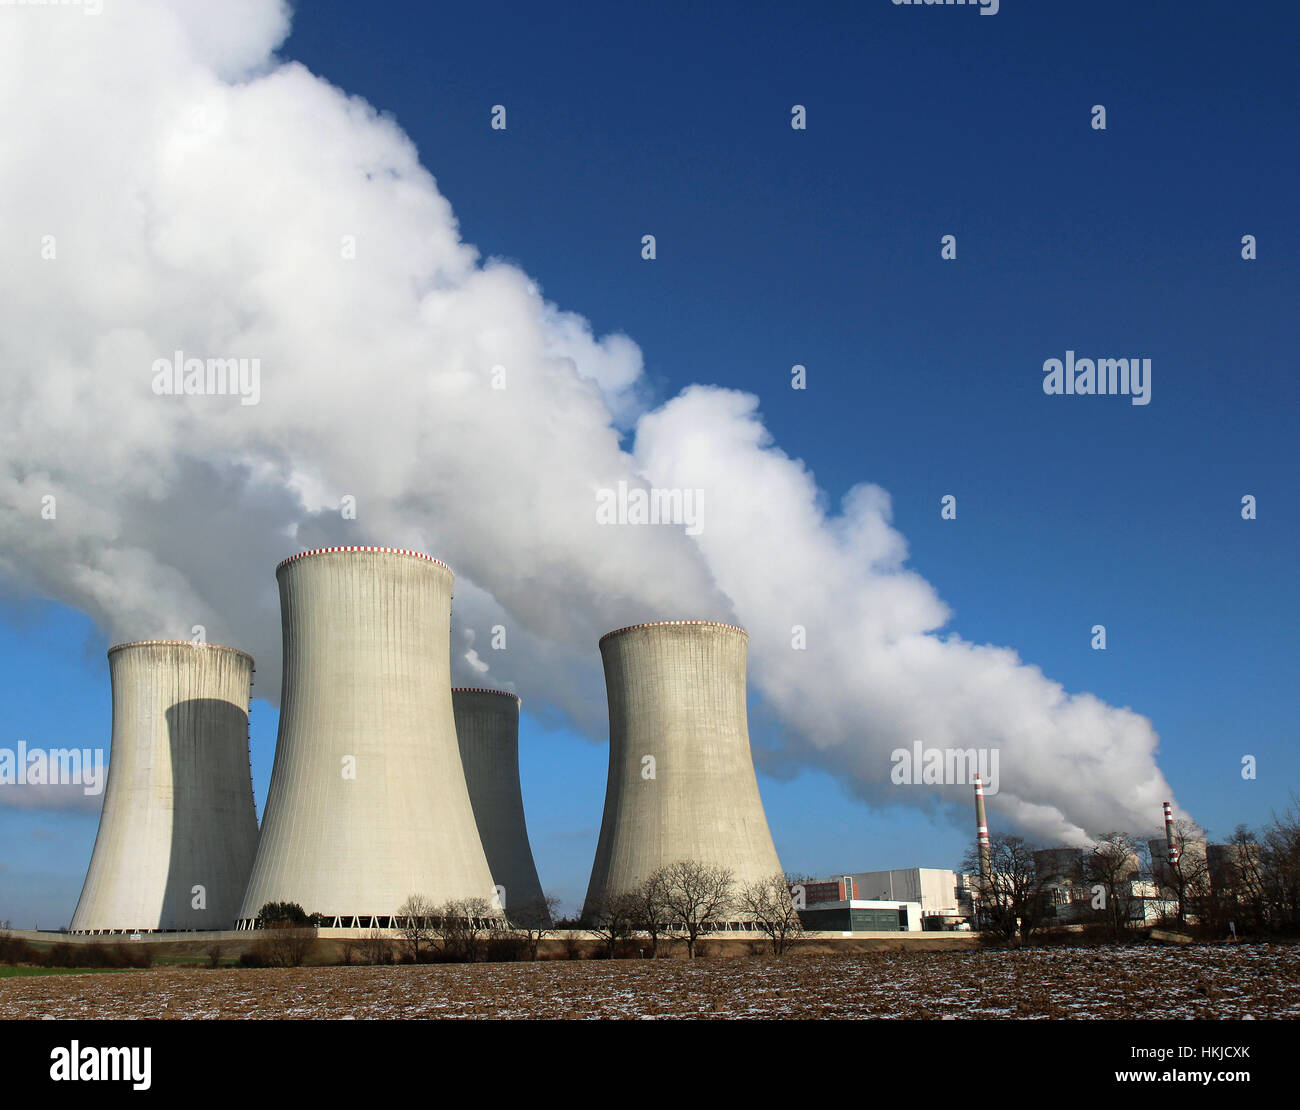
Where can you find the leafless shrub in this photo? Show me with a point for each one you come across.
(463, 926)
(375, 947)
(535, 920)
(416, 928)
(613, 919)
(769, 905)
(286, 945)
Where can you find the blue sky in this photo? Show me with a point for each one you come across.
(822, 247)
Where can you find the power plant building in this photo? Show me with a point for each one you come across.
(862, 916)
(367, 803)
(906, 899)
(487, 729)
(934, 890)
(681, 782)
(178, 827)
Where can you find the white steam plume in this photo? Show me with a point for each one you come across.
(167, 185)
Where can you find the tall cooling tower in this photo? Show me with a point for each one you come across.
(487, 727)
(178, 828)
(1059, 864)
(681, 777)
(367, 803)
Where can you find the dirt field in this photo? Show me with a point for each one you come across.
(1256, 981)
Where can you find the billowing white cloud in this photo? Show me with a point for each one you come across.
(875, 675)
(175, 188)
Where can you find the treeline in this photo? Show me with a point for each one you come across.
(1259, 888)
(95, 954)
(682, 902)
(688, 900)
(1249, 885)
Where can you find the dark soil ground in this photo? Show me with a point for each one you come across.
(1189, 981)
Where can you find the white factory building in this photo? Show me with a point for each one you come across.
(934, 889)
(908, 900)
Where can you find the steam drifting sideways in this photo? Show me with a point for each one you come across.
(223, 206)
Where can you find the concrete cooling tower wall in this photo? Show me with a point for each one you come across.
(487, 728)
(178, 827)
(367, 803)
(681, 777)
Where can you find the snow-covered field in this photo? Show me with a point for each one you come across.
(1240, 981)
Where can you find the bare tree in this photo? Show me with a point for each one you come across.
(1012, 898)
(613, 918)
(1246, 874)
(1112, 864)
(286, 945)
(376, 948)
(535, 920)
(1280, 865)
(697, 896)
(769, 904)
(464, 925)
(1188, 879)
(1237, 886)
(653, 916)
(214, 952)
(417, 916)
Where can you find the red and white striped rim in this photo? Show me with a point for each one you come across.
(484, 690)
(354, 547)
(663, 624)
(177, 643)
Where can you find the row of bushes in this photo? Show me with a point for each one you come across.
(14, 951)
(293, 947)
(281, 949)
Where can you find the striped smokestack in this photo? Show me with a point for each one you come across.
(982, 830)
(1170, 842)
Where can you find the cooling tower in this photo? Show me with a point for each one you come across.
(178, 828)
(367, 803)
(1055, 865)
(681, 778)
(1234, 865)
(487, 728)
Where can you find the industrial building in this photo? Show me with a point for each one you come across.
(934, 889)
(934, 892)
(487, 730)
(178, 826)
(368, 803)
(681, 782)
(862, 916)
